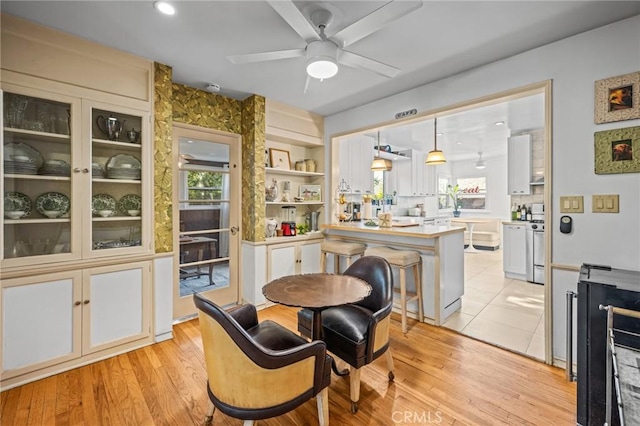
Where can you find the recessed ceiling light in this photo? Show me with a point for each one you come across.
(189, 141)
(439, 134)
(499, 123)
(459, 143)
(164, 7)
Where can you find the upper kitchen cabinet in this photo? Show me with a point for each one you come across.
(356, 155)
(409, 175)
(519, 165)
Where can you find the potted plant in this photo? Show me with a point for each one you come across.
(454, 194)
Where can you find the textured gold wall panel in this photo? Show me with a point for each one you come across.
(162, 158)
(253, 172)
(204, 109)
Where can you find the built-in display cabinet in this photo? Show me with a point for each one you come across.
(76, 243)
(295, 172)
(74, 178)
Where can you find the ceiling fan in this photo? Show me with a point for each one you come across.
(323, 52)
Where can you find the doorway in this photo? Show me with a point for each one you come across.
(205, 217)
(502, 310)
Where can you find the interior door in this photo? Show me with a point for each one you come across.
(206, 217)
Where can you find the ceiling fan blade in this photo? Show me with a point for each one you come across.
(374, 21)
(356, 61)
(295, 19)
(266, 56)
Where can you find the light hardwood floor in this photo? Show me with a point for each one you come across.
(441, 377)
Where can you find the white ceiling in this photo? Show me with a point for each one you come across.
(440, 39)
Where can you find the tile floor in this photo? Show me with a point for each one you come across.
(502, 311)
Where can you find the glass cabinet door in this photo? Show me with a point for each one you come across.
(119, 170)
(37, 176)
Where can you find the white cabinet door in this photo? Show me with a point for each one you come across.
(41, 322)
(514, 250)
(281, 260)
(419, 173)
(519, 165)
(309, 257)
(116, 305)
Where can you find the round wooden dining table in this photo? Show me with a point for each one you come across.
(316, 292)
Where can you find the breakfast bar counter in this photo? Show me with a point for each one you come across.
(442, 252)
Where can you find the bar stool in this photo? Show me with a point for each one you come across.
(339, 248)
(403, 259)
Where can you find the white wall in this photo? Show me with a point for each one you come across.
(573, 64)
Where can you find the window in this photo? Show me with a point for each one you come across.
(444, 202)
(473, 192)
(378, 184)
(203, 186)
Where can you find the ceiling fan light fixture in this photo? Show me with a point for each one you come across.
(322, 67)
(164, 7)
(322, 63)
(435, 156)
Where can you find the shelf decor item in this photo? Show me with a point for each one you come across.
(123, 166)
(617, 98)
(311, 192)
(53, 204)
(17, 201)
(103, 205)
(617, 151)
(279, 159)
(454, 194)
(130, 205)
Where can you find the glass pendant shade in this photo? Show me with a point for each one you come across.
(380, 164)
(480, 164)
(435, 156)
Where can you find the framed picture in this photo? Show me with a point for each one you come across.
(617, 98)
(617, 151)
(279, 159)
(311, 192)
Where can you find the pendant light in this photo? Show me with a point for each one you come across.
(379, 164)
(436, 156)
(480, 164)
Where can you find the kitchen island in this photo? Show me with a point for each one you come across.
(442, 252)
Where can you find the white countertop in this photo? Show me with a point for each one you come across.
(419, 231)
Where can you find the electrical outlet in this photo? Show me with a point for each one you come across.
(605, 203)
(572, 204)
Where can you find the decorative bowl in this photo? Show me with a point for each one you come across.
(105, 213)
(343, 217)
(133, 212)
(52, 214)
(15, 214)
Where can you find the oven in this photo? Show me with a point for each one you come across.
(535, 252)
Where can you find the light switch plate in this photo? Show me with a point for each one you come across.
(572, 204)
(605, 203)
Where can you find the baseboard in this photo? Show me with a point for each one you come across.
(164, 336)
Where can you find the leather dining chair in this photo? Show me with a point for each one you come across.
(259, 370)
(358, 333)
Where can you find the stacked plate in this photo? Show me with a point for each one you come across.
(123, 166)
(97, 171)
(20, 167)
(56, 168)
(20, 158)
